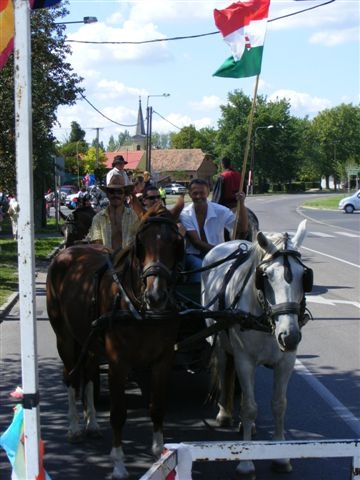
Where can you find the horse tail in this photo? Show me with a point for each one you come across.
(222, 380)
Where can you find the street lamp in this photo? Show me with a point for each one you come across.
(149, 112)
(85, 20)
(252, 164)
(77, 159)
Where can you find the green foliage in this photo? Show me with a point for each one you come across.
(189, 137)
(53, 84)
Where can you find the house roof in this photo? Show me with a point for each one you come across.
(177, 159)
(132, 157)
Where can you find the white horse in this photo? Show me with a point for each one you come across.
(265, 284)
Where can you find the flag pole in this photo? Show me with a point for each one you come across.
(26, 253)
(246, 153)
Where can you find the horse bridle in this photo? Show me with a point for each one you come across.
(158, 268)
(296, 308)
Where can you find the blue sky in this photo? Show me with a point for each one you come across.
(311, 59)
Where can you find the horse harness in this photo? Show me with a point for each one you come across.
(135, 307)
(230, 316)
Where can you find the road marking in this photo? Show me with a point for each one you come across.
(346, 234)
(325, 301)
(320, 234)
(331, 256)
(340, 409)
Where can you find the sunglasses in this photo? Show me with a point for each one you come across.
(114, 191)
(153, 197)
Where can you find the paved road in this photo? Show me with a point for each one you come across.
(329, 351)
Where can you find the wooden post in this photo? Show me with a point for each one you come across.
(246, 153)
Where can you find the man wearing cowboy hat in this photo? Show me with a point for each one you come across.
(115, 226)
(118, 169)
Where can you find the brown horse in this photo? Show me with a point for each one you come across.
(121, 305)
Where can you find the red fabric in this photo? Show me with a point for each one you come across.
(171, 476)
(240, 14)
(231, 185)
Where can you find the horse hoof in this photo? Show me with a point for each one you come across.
(94, 434)
(281, 466)
(77, 437)
(245, 470)
(224, 421)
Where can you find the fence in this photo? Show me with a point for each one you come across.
(182, 455)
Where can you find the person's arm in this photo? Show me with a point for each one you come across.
(135, 202)
(194, 238)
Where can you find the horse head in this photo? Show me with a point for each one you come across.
(282, 280)
(159, 248)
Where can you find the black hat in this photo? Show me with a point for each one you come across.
(119, 159)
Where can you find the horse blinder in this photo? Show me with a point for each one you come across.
(308, 279)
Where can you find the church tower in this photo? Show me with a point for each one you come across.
(139, 139)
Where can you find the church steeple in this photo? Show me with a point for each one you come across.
(140, 128)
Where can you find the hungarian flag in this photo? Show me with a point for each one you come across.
(243, 26)
(7, 25)
(6, 30)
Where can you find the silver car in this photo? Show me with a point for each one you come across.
(349, 204)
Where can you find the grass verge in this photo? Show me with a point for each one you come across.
(325, 203)
(48, 239)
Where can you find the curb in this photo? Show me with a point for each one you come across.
(8, 305)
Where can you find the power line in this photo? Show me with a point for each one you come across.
(156, 40)
(103, 115)
(168, 121)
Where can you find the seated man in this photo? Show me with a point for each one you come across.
(115, 226)
(205, 222)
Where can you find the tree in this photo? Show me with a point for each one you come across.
(111, 144)
(90, 162)
(53, 84)
(76, 133)
(336, 131)
(189, 137)
(273, 149)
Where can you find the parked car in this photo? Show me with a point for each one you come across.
(66, 190)
(349, 204)
(174, 189)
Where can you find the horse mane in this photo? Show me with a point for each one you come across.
(279, 240)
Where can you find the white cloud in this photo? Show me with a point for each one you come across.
(301, 103)
(210, 102)
(331, 38)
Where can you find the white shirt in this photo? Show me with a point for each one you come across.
(115, 171)
(217, 218)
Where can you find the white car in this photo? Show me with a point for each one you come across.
(349, 204)
(174, 189)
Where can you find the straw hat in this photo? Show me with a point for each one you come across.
(117, 182)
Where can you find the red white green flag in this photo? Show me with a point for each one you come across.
(7, 25)
(243, 26)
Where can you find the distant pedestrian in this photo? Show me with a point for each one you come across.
(118, 169)
(162, 192)
(13, 212)
(147, 179)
